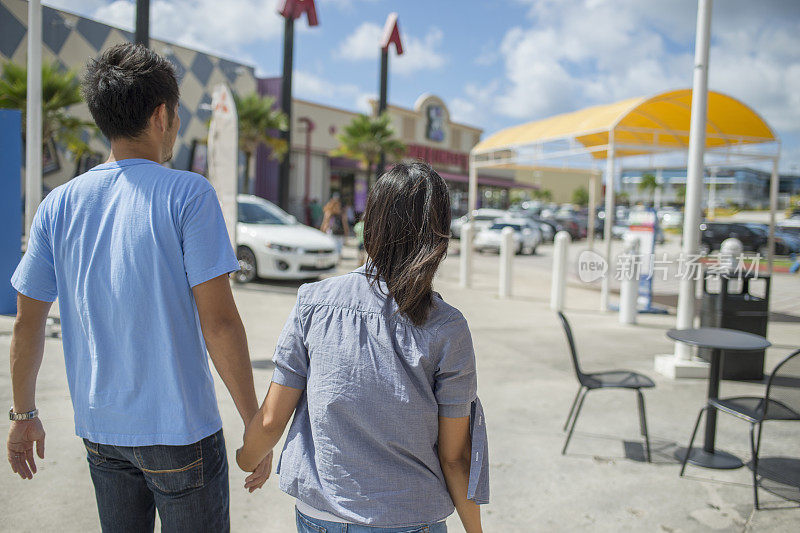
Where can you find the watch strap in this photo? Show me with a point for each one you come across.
(22, 416)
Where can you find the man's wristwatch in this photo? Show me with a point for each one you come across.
(22, 416)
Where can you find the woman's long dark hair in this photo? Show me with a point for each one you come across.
(406, 232)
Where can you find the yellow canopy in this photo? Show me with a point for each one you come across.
(640, 125)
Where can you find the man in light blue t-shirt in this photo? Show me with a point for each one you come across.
(138, 256)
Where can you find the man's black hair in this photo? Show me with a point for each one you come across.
(124, 85)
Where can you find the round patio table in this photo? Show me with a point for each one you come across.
(716, 339)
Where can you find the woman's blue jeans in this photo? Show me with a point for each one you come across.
(306, 524)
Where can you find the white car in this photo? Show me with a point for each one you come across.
(527, 236)
(481, 219)
(270, 243)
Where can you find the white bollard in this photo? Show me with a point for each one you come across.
(466, 255)
(628, 294)
(507, 252)
(557, 289)
(629, 284)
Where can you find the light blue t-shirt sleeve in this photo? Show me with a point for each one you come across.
(455, 381)
(291, 355)
(207, 251)
(35, 276)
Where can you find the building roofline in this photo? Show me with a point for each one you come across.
(152, 38)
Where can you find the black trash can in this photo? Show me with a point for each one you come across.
(737, 301)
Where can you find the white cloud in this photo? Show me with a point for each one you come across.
(575, 54)
(363, 43)
(314, 87)
(475, 108)
(222, 28)
(418, 53)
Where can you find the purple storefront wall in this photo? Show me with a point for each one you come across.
(266, 182)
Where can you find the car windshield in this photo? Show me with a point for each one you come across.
(515, 227)
(252, 213)
(758, 228)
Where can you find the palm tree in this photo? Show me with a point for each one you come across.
(258, 120)
(60, 90)
(649, 185)
(366, 137)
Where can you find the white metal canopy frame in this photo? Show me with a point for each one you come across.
(654, 128)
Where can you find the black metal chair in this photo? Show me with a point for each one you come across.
(781, 401)
(615, 379)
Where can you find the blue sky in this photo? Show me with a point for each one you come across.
(498, 63)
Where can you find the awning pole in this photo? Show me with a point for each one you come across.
(694, 178)
(33, 116)
(465, 271)
(608, 221)
(592, 210)
(472, 204)
(774, 181)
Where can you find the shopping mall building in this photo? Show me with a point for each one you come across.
(426, 129)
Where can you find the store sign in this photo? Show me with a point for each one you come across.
(437, 156)
(296, 8)
(435, 128)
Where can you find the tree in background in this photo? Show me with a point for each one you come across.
(366, 137)
(648, 185)
(60, 90)
(580, 196)
(622, 198)
(680, 193)
(258, 122)
(544, 195)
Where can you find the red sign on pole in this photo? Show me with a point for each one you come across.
(391, 34)
(296, 8)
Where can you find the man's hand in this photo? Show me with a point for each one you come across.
(21, 436)
(260, 474)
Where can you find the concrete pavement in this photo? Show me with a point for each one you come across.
(526, 384)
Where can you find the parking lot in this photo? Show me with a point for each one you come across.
(526, 384)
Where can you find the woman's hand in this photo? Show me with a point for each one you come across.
(260, 474)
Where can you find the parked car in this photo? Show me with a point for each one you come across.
(527, 236)
(713, 233)
(785, 242)
(271, 243)
(791, 226)
(549, 228)
(481, 219)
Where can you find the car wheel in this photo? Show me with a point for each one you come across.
(519, 249)
(533, 249)
(248, 270)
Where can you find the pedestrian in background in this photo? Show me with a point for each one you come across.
(379, 372)
(138, 256)
(316, 213)
(358, 231)
(334, 222)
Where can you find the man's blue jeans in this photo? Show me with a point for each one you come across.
(187, 484)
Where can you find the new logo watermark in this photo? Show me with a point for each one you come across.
(591, 266)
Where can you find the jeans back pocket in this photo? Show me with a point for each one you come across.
(172, 469)
(93, 454)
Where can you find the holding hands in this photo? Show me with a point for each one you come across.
(260, 472)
